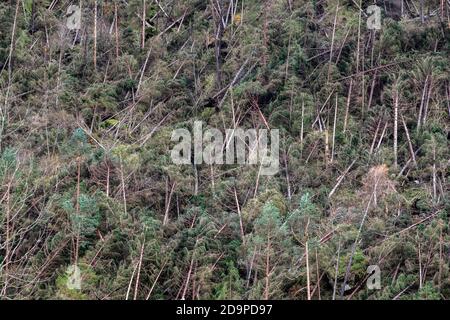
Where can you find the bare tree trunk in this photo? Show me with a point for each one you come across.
(108, 170)
(372, 146)
(359, 38)
(168, 201)
(241, 225)
(4, 112)
(250, 268)
(422, 18)
(77, 211)
(434, 172)
(420, 268)
(265, 35)
(288, 180)
(286, 72)
(188, 276)
(340, 179)
(156, 280)
(11, 49)
(336, 270)
(131, 282)
(267, 279)
(141, 256)
(308, 280)
(217, 13)
(143, 26)
(396, 125)
(382, 136)
(440, 258)
(422, 103)
(116, 22)
(347, 107)
(318, 277)
(122, 180)
(411, 150)
(303, 114)
(334, 129)
(427, 102)
(308, 283)
(95, 35)
(372, 88)
(332, 42)
(8, 239)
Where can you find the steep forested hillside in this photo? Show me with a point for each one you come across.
(93, 207)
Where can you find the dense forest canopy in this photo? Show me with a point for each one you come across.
(93, 207)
